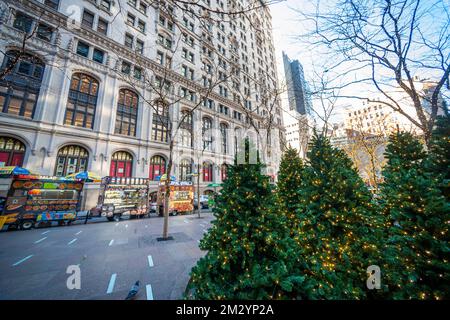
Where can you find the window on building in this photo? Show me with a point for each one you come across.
(129, 39)
(185, 170)
(127, 109)
(160, 57)
(139, 46)
(143, 7)
(71, 159)
(186, 127)
(19, 89)
(98, 55)
(121, 164)
(88, 19)
(207, 172)
(157, 167)
(12, 152)
(141, 26)
(105, 4)
(207, 134)
(223, 136)
(23, 22)
(160, 122)
(126, 67)
(52, 4)
(102, 26)
(131, 19)
(82, 101)
(44, 32)
(83, 49)
(137, 73)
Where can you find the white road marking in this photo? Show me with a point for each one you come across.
(45, 232)
(150, 261)
(40, 240)
(185, 221)
(146, 226)
(112, 281)
(111, 242)
(204, 230)
(149, 292)
(117, 224)
(20, 261)
(78, 233)
(72, 241)
(126, 226)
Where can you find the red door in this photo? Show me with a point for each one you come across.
(11, 158)
(4, 157)
(120, 169)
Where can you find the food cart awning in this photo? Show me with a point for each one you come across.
(13, 170)
(164, 178)
(88, 176)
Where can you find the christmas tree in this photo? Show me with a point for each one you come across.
(438, 161)
(418, 249)
(288, 187)
(250, 254)
(340, 233)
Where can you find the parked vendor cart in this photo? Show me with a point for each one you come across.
(181, 199)
(27, 199)
(121, 196)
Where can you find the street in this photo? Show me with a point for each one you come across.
(112, 256)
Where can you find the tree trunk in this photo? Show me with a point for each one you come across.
(167, 193)
(198, 190)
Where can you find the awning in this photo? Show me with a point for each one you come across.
(87, 176)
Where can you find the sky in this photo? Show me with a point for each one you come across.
(287, 25)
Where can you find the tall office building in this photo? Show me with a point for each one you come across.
(297, 88)
(78, 98)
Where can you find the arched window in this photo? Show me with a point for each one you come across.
(160, 122)
(223, 171)
(82, 101)
(121, 164)
(186, 127)
(157, 167)
(185, 169)
(126, 116)
(207, 134)
(12, 152)
(71, 159)
(207, 172)
(19, 89)
(223, 137)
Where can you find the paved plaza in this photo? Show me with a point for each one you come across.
(112, 256)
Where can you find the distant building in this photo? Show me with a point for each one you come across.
(297, 88)
(298, 133)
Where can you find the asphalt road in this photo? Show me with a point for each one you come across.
(111, 256)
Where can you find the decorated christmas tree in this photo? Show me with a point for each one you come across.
(418, 249)
(438, 162)
(249, 249)
(288, 187)
(340, 234)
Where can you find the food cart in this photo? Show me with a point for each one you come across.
(181, 199)
(120, 196)
(27, 199)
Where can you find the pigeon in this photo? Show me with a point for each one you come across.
(133, 291)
